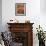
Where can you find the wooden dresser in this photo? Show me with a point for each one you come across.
(22, 33)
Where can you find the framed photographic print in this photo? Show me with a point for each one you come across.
(20, 9)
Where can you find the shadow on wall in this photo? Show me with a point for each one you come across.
(43, 6)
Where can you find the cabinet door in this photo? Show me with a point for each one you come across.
(20, 37)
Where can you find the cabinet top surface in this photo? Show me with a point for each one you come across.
(19, 23)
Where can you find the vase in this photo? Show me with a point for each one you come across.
(41, 43)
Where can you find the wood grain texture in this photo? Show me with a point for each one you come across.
(23, 27)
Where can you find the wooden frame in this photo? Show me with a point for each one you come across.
(20, 9)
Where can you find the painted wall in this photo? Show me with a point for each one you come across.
(33, 13)
(43, 6)
(0, 15)
(43, 14)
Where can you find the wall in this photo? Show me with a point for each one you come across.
(0, 15)
(43, 6)
(33, 13)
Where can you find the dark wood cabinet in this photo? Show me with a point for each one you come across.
(22, 33)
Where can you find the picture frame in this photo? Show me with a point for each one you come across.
(20, 9)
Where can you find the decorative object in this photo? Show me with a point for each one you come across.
(7, 38)
(1, 40)
(41, 36)
(27, 21)
(13, 21)
(20, 9)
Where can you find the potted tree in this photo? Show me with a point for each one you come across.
(41, 36)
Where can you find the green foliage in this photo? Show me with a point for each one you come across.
(40, 33)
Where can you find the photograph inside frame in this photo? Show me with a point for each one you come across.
(20, 9)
